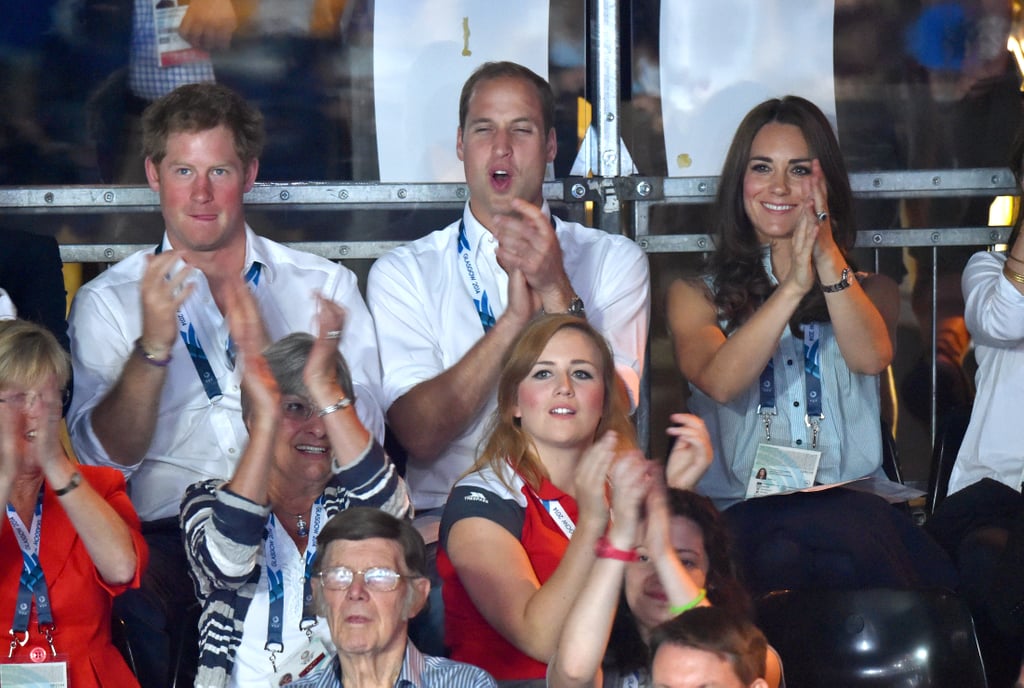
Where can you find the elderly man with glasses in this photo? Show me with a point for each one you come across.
(371, 579)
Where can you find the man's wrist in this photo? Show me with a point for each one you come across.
(152, 355)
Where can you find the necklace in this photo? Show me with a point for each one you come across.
(300, 526)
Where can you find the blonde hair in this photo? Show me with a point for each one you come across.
(30, 353)
(506, 441)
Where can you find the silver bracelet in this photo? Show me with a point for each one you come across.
(342, 403)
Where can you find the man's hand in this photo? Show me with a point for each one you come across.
(209, 24)
(527, 243)
(162, 296)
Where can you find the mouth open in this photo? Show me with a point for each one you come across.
(501, 180)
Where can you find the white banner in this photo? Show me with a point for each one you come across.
(422, 54)
(719, 59)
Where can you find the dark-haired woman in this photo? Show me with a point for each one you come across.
(782, 342)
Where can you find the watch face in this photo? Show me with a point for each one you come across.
(576, 307)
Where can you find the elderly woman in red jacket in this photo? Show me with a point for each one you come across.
(70, 539)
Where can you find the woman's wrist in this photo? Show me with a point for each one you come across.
(622, 537)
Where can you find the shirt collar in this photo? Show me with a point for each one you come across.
(475, 231)
(256, 251)
(413, 666)
(411, 676)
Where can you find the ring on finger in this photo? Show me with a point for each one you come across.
(822, 215)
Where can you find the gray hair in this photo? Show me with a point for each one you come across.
(287, 359)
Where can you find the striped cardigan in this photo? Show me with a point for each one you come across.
(224, 541)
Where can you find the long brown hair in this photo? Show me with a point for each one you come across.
(506, 440)
(741, 284)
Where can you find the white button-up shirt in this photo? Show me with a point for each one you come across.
(426, 320)
(197, 438)
(993, 445)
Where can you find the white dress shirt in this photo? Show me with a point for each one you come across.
(197, 438)
(426, 320)
(7, 309)
(993, 445)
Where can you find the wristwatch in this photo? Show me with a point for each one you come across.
(576, 307)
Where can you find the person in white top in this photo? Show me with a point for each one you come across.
(156, 388)
(981, 522)
(448, 306)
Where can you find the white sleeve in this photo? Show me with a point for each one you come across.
(410, 349)
(993, 308)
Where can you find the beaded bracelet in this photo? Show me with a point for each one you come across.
(679, 609)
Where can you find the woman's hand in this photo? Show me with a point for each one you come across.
(815, 190)
(630, 478)
(42, 445)
(250, 339)
(591, 479)
(321, 371)
(12, 441)
(691, 454)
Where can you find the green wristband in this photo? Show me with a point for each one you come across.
(679, 609)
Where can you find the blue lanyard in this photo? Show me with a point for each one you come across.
(476, 290)
(812, 383)
(195, 347)
(32, 582)
(472, 277)
(275, 579)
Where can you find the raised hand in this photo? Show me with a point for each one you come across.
(321, 371)
(691, 454)
(630, 477)
(162, 296)
(41, 416)
(591, 479)
(12, 441)
(527, 242)
(815, 190)
(250, 339)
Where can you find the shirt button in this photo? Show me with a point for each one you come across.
(796, 404)
(789, 361)
(799, 441)
(231, 450)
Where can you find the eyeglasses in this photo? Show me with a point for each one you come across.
(29, 399)
(296, 409)
(376, 578)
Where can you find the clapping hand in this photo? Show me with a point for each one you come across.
(691, 454)
(321, 371)
(250, 339)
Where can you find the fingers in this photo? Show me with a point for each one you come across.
(527, 242)
(244, 319)
(163, 292)
(330, 318)
(209, 24)
(692, 453)
(321, 371)
(11, 437)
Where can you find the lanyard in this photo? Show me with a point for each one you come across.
(195, 347)
(275, 579)
(471, 276)
(558, 514)
(32, 581)
(812, 384)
